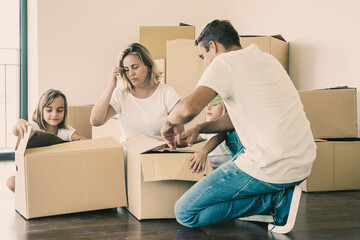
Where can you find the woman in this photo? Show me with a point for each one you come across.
(142, 103)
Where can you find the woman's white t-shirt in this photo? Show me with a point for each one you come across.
(64, 134)
(266, 112)
(143, 115)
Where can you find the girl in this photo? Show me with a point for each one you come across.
(49, 116)
(142, 103)
(218, 150)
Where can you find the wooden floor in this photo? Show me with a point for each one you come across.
(328, 215)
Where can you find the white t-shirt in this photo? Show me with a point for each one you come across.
(143, 116)
(266, 112)
(64, 134)
(220, 154)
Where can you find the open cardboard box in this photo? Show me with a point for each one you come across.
(67, 177)
(156, 179)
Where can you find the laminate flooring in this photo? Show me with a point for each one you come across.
(324, 215)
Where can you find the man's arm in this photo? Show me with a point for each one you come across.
(188, 108)
(220, 125)
(183, 112)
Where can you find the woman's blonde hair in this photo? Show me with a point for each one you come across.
(137, 49)
(45, 100)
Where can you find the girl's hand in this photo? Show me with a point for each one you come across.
(115, 74)
(198, 161)
(76, 137)
(21, 127)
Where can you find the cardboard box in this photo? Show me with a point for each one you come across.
(79, 118)
(67, 177)
(154, 37)
(184, 69)
(161, 64)
(336, 167)
(276, 45)
(110, 128)
(332, 113)
(156, 180)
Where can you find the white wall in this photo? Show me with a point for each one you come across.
(79, 40)
(322, 34)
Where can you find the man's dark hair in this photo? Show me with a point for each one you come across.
(220, 31)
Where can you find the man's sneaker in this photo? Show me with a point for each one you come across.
(258, 218)
(286, 211)
(284, 214)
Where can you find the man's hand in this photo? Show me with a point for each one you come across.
(191, 135)
(171, 134)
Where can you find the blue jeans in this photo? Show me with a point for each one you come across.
(227, 193)
(234, 144)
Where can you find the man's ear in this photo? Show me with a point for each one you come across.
(213, 46)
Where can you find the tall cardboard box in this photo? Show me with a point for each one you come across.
(276, 45)
(332, 113)
(67, 177)
(156, 179)
(184, 69)
(336, 167)
(154, 37)
(79, 118)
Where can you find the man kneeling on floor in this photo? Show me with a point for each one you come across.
(265, 110)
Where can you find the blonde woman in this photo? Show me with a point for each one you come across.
(142, 102)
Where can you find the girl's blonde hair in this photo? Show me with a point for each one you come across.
(45, 100)
(153, 75)
(215, 101)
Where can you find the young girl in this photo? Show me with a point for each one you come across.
(49, 116)
(217, 149)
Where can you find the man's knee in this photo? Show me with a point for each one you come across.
(184, 216)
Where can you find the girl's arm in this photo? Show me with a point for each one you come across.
(76, 136)
(198, 159)
(20, 127)
(103, 111)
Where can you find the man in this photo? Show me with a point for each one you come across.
(265, 110)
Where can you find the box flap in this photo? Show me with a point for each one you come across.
(22, 142)
(77, 146)
(141, 144)
(278, 36)
(43, 139)
(168, 166)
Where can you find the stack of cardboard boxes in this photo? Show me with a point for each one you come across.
(333, 116)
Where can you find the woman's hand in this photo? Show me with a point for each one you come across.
(117, 71)
(198, 161)
(21, 127)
